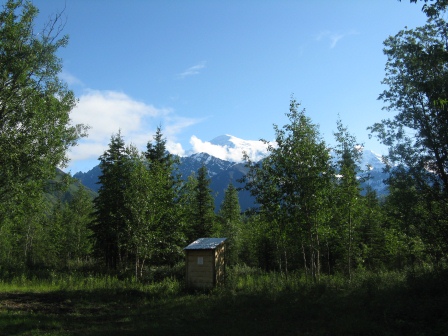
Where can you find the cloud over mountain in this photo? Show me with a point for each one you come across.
(229, 148)
(107, 112)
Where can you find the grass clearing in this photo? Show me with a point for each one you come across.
(252, 303)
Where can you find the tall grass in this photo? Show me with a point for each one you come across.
(240, 279)
(90, 283)
(245, 279)
(251, 302)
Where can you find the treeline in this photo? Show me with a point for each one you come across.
(312, 217)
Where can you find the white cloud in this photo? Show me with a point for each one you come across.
(193, 70)
(175, 148)
(199, 146)
(176, 124)
(70, 79)
(333, 37)
(107, 112)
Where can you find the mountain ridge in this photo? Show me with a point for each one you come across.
(222, 172)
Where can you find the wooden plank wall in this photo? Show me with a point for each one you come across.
(200, 275)
(220, 263)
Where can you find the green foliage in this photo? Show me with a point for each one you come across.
(69, 228)
(35, 133)
(433, 8)
(200, 212)
(416, 217)
(373, 253)
(416, 74)
(257, 243)
(347, 195)
(166, 224)
(137, 216)
(25, 232)
(35, 104)
(312, 218)
(229, 223)
(110, 212)
(292, 185)
(417, 136)
(141, 233)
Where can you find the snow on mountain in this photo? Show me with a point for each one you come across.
(191, 164)
(372, 159)
(222, 157)
(230, 148)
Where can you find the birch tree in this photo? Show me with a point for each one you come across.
(292, 186)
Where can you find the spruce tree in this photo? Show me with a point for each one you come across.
(187, 200)
(230, 222)
(110, 211)
(165, 182)
(141, 231)
(203, 207)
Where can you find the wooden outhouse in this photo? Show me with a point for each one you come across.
(205, 262)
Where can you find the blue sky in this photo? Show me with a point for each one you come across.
(201, 69)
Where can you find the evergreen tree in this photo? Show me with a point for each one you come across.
(230, 222)
(142, 234)
(372, 232)
(187, 200)
(110, 211)
(156, 152)
(69, 234)
(202, 215)
(165, 184)
(78, 236)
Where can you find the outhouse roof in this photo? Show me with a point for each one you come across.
(205, 244)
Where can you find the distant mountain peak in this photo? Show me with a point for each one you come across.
(225, 171)
(230, 148)
(373, 159)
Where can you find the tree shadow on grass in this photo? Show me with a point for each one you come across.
(418, 306)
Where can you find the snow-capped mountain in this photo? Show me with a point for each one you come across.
(375, 161)
(230, 170)
(221, 173)
(373, 166)
(214, 165)
(230, 148)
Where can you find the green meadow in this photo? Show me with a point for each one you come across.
(251, 302)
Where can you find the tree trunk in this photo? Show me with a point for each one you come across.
(136, 265)
(349, 244)
(141, 268)
(304, 261)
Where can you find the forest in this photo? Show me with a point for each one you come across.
(318, 255)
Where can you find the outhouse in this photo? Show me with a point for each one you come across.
(205, 262)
